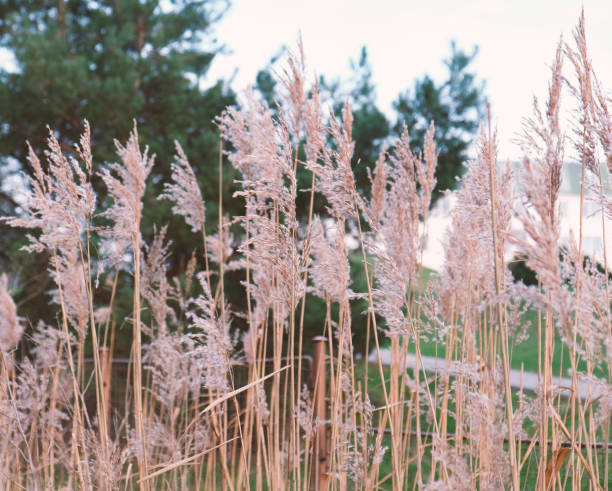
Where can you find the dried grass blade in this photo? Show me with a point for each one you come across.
(174, 465)
(233, 393)
(532, 445)
(585, 464)
(554, 465)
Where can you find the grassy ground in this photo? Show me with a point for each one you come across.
(524, 355)
(528, 472)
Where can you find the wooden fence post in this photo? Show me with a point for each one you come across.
(105, 368)
(319, 382)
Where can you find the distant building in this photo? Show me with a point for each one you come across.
(569, 206)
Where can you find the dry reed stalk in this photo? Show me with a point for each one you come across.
(77, 419)
(106, 367)
(127, 190)
(375, 329)
(61, 205)
(500, 317)
(186, 413)
(319, 413)
(137, 356)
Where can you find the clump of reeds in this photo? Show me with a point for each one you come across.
(188, 421)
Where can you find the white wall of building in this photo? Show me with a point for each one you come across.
(569, 207)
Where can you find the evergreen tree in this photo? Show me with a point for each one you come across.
(266, 83)
(112, 62)
(370, 126)
(456, 107)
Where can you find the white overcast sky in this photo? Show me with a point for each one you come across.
(406, 39)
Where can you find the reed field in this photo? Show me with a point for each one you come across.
(201, 403)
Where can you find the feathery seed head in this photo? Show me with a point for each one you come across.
(154, 285)
(185, 192)
(60, 202)
(330, 268)
(125, 182)
(10, 326)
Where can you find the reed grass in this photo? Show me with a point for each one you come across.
(205, 405)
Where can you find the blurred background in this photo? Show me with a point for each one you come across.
(406, 40)
(173, 66)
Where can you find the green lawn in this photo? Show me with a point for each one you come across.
(528, 473)
(524, 354)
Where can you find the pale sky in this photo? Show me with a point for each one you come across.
(406, 39)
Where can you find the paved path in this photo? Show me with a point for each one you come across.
(529, 379)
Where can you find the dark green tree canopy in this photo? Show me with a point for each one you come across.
(109, 62)
(370, 128)
(112, 61)
(456, 107)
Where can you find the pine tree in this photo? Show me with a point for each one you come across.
(112, 62)
(370, 125)
(456, 107)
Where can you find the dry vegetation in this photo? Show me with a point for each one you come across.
(188, 423)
